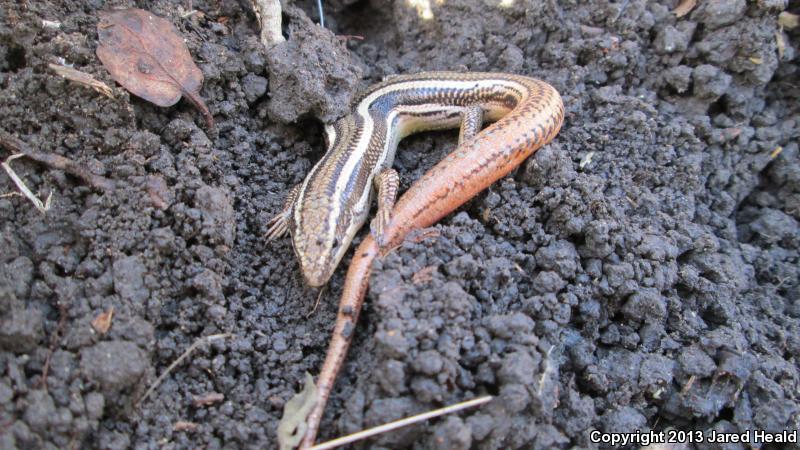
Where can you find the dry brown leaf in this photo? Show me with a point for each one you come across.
(102, 322)
(684, 8)
(82, 78)
(145, 54)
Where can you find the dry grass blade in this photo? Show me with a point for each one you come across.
(788, 20)
(41, 206)
(586, 160)
(400, 423)
(82, 78)
(780, 42)
(684, 8)
(192, 348)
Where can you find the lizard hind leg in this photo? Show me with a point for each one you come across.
(471, 123)
(386, 182)
(279, 225)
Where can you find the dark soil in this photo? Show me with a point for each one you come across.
(641, 272)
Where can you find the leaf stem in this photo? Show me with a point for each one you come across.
(198, 102)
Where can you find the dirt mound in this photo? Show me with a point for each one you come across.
(640, 272)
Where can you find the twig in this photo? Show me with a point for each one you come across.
(347, 37)
(268, 13)
(316, 304)
(82, 78)
(391, 426)
(42, 207)
(684, 8)
(180, 359)
(59, 162)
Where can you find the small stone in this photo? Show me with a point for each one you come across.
(129, 279)
(20, 274)
(254, 87)
(718, 13)
(517, 367)
(95, 403)
(547, 281)
(509, 325)
(21, 329)
(428, 362)
(219, 223)
(451, 434)
(710, 82)
(646, 305)
(560, 256)
(40, 411)
(624, 419)
(694, 361)
(114, 365)
(515, 397)
(392, 377)
(672, 40)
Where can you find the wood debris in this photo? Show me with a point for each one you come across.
(82, 78)
(684, 8)
(102, 323)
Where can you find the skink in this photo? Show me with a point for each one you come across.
(327, 209)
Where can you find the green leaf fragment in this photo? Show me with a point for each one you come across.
(292, 426)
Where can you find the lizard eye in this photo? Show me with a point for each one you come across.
(335, 242)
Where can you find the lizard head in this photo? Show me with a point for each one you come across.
(321, 241)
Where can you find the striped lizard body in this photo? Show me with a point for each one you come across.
(325, 211)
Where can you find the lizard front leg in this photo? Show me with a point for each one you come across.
(279, 225)
(386, 183)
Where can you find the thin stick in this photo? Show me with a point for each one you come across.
(83, 78)
(268, 13)
(391, 426)
(321, 291)
(180, 359)
(59, 162)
